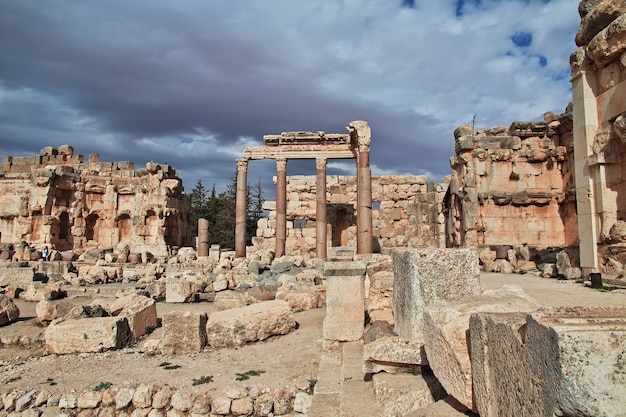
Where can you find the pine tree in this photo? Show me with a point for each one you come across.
(199, 205)
(255, 210)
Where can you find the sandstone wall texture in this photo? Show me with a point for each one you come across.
(513, 186)
(407, 212)
(58, 200)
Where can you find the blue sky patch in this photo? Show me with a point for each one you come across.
(409, 4)
(522, 39)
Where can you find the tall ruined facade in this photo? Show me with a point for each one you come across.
(599, 96)
(59, 200)
(513, 186)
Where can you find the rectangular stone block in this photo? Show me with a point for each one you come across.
(184, 332)
(345, 306)
(16, 276)
(429, 276)
(87, 335)
(565, 361)
(401, 394)
(238, 326)
(445, 336)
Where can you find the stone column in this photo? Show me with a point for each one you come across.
(203, 237)
(320, 210)
(241, 208)
(585, 129)
(363, 134)
(281, 206)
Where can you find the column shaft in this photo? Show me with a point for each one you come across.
(364, 204)
(281, 206)
(320, 210)
(241, 208)
(203, 237)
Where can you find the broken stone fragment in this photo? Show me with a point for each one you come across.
(9, 312)
(87, 335)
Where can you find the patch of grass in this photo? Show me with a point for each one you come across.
(202, 380)
(246, 375)
(169, 366)
(50, 382)
(149, 330)
(312, 383)
(102, 386)
(16, 378)
(159, 299)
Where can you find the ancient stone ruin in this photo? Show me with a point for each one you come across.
(56, 199)
(394, 262)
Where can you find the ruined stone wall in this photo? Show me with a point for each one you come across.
(407, 212)
(513, 186)
(599, 88)
(57, 199)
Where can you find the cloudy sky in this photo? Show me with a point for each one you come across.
(193, 82)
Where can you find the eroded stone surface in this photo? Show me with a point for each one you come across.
(566, 360)
(87, 335)
(238, 326)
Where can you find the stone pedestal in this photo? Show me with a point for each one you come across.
(345, 301)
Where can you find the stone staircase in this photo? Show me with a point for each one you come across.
(341, 389)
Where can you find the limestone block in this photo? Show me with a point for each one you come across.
(238, 326)
(445, 336)
(301, 300)
(16, 276)
(380, 297)
(226, 300)
(46, 311)
(396, 351)
(43, 292)
(87, 335)
(595, 16)
(9, 312)
(429, 276)
(559, 361)
(610, 43)
(180, 290)
(401, 394)
(141, 313)
(345, 301)
(447, 407)
(184, 332)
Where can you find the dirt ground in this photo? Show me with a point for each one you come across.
(282, 360)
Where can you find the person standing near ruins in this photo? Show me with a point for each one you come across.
(44, 253)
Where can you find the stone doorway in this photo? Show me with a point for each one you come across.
(341, 217)
(92, 224)
(124, 227)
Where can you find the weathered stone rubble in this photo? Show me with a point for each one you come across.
(161, 400)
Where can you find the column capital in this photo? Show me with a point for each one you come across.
(320, 163)
(242, 164)
(361, 134)
(281, 164)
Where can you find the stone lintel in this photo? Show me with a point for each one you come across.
(309, 151)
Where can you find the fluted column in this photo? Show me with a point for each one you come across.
(364, 186)
(320, 210)
(241, 208)
(281, 206)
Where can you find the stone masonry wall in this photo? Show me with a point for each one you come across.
(57, 199)
(407, 212)
(513, 186)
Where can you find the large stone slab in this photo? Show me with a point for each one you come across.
(392, 350)
(429, 276)
(16, 276)
(565, 361)
(238, 326)
(345, 301)
(184, 332)
(87, 335)
(401, 394)
(445, 336)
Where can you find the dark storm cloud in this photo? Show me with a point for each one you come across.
(191, 83)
